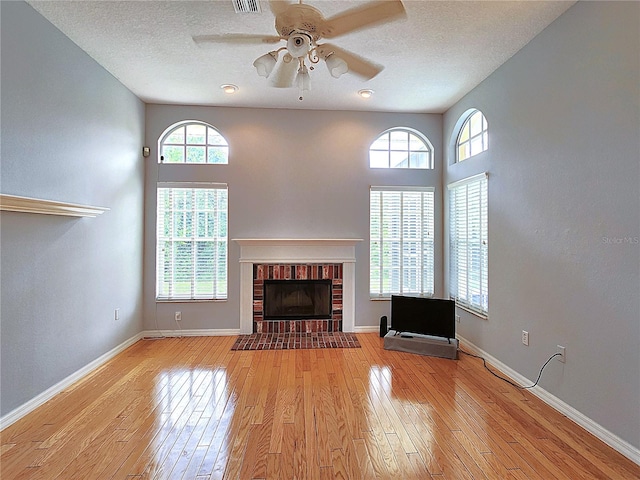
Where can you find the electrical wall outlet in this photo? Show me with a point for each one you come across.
(561, 351)
(178, 316)
(457, 318)
(116, 314)
(525, 337)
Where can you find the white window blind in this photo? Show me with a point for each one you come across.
(191, 241)
(401, 241)
(469, 244)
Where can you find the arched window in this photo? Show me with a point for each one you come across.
(401, 148)
(474, 136)
(193, 142)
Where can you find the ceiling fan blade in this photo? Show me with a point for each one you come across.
(278, 6)
(285, 74)
(236, 38)
(367, 15)
(357, 65)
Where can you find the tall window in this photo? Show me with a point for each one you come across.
(193, 142)
(401, 241)
(469, 244)
(191, 241)
(401, 148)
(474, 136)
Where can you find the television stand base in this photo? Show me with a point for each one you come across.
(422, 345)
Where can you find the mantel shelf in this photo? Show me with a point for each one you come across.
(13, 203)
(270, 242)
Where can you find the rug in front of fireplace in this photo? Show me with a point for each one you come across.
(295, 341)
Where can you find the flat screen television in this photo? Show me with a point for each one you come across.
(424, 316)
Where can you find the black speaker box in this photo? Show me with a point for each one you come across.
(383, 326)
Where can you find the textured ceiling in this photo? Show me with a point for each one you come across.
(432, 58)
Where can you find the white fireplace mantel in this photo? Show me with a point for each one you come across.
(289, 250)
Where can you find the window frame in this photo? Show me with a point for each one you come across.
(474, 234)
(219, 236)
(207, 145)
(482, 136)
(389, 150)
(426, 267)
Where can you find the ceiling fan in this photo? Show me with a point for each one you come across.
(301, 26)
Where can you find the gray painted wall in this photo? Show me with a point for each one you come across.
(70, 132)
(291, 174)
(564, 203)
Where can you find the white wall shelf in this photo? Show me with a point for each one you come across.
(13, 203)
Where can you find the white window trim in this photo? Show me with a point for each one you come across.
(465, 122)
(206, 145)
(411, 131)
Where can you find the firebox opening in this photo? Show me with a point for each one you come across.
(297, 299)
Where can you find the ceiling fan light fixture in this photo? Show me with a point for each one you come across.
(265, 63)
(303, 79)
(229, 88)
(366, 93)
(336, 65)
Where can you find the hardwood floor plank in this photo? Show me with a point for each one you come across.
(364, 460)
(235, 461)
(274, 464)
(289, 465)
(310, 427)
(338, 462)
(191, 408)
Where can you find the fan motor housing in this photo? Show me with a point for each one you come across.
(300, 17)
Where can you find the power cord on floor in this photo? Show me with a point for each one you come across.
(160, 334)
(506, 379)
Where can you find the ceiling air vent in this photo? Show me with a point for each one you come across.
(246, 6)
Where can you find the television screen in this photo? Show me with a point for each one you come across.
(424, 316)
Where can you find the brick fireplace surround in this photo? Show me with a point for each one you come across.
(263, 259)
(297, 271)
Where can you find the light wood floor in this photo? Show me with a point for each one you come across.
(190, 408)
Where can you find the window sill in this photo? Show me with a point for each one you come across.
(483, 316)
(388, 299)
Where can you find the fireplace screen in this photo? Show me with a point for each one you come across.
(295, 299)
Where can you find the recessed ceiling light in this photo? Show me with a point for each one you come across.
(229, 88)
(365, 93)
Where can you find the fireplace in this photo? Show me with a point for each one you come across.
(298, 286)
(297, 299)
(297, 259)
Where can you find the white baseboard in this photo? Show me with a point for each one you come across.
(222, 332)
(19, 412)
(366, 329)
(615, 442)
(204, 332)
